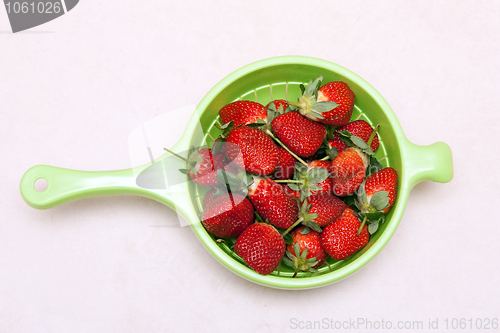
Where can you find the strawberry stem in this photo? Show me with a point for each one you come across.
(289, 181)
(292, 226)
(372, 136)
(326, 158)
(285, 147)
(297, 104)
(362, 225)
(178, 156)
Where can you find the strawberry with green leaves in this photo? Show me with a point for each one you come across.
(242, 113)
(339, 93)
(348, 171)
(341, 239)
(272, 202)
(385, 180)
(228, 216)
(202, 165)
(287, 154)
(261, 247)
(357, 128)
(376, 196)
(305, 252)
(330, 104)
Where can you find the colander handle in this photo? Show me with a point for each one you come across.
(65, 185)
(433, 162)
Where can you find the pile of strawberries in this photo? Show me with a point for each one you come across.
(294, 182)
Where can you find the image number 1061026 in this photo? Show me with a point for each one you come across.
(32, 7)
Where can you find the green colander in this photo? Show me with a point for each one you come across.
(262, 81)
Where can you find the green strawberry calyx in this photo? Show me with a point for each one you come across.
(298, 261)
(308, 104)
(371, 210)
(306, 180)
(306, 218)
(377, 203)
(355, 141)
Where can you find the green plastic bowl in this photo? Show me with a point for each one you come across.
(274, 78)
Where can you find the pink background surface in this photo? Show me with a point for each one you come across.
(72, 90)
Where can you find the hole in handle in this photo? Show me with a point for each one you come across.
(40, 184)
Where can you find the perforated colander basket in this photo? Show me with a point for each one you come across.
(262, 81)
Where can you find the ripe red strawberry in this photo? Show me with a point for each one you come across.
(348, 171)
(310, 240)
(301, 135)
(261, 247)
(252, 149)
(326, 185)
(273, 203)
(331, 104)
(202, 166)
(359, 128)
(386, 180)
(327, 206)
(227, 216)
(340, 239)
(242, 113)
(286, 165)
(340, 93)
